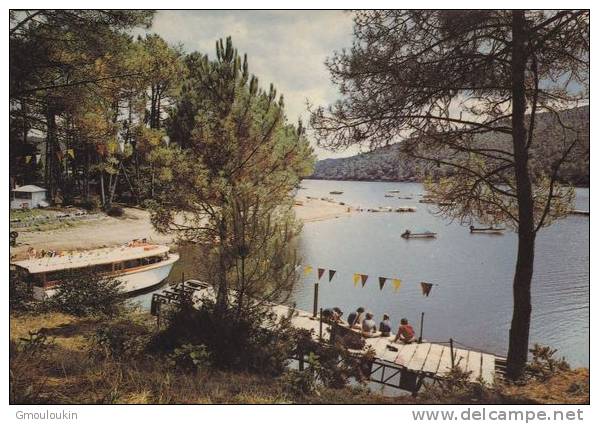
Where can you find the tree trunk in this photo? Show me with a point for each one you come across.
(520, 327)
(102, 189)
(86, 173)
(51, 163)
(222, 293)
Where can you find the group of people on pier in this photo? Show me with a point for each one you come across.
(364, 322)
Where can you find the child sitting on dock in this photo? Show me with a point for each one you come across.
(332, 315)
(405, 333)
(354, 319)
(368, 325)
(385, 326)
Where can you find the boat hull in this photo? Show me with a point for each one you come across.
(134, 280)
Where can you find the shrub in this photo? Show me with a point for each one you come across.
(115, 211)
(333, 364)
(299, 383)
(84, 293)
(256, 343)
(90, 205)
(544, 365)
(120, 339)
(20, 297)
(190, 358)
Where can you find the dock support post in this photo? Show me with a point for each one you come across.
(452, 354)
(315, 311)
(421, 324)
(320, 327)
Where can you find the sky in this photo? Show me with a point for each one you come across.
(287, 48)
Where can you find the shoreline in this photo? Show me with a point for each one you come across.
(391, 181)
(135, 224)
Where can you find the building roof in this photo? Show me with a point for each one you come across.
(91, 257)
(29, 189)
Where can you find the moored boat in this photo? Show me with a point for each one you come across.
(406, 209)
(138, 265)
(422, 234)
(335, 192)
(487, 230)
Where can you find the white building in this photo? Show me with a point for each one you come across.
(27, 197)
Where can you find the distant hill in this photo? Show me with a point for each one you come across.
(391, 164)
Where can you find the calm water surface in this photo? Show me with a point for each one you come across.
(472, 298)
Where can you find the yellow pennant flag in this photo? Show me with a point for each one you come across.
(396, 284)
(71, 153)
(27, 159)
(307, 270)
(356, 279)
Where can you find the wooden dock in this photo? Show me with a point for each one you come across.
(431, 360)
(396, 360)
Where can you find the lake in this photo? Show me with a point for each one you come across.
(471, 300)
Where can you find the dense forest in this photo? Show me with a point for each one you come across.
(390, 163)
(94, 110)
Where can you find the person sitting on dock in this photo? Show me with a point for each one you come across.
(405, 333)
(385, 326)
(332, 314)
(354, 319)
(369, 325)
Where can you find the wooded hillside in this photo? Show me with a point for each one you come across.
(391, 164)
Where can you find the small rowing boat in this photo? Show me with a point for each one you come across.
(487, 230)
(335, 192)
(422, 234)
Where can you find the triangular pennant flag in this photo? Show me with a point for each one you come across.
(364, 277)
(426, 288)
(27, 159)
(320, 272)
(38, 157)
(382, 282)
(396, 284)
(331, 274)
(71, 153)
(307, 270)
(356, 279)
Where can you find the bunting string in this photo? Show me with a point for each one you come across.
(362, 279)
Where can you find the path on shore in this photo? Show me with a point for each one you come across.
(135, 224)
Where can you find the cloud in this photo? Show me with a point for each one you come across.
(286, 48)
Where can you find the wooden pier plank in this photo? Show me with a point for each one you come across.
(474, 364)
(419, 357)
(488, 368)
(461, 358)
(405, 355)
(378, 344)
(445, 362)
(433, 359)
(389, 355)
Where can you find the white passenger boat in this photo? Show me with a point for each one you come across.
(138, 265)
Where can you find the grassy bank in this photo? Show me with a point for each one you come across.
(56, 358)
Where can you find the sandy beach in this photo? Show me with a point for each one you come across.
(135, 224)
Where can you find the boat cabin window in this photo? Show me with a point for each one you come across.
(131, 264)
(103, 268)
(134, 263)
